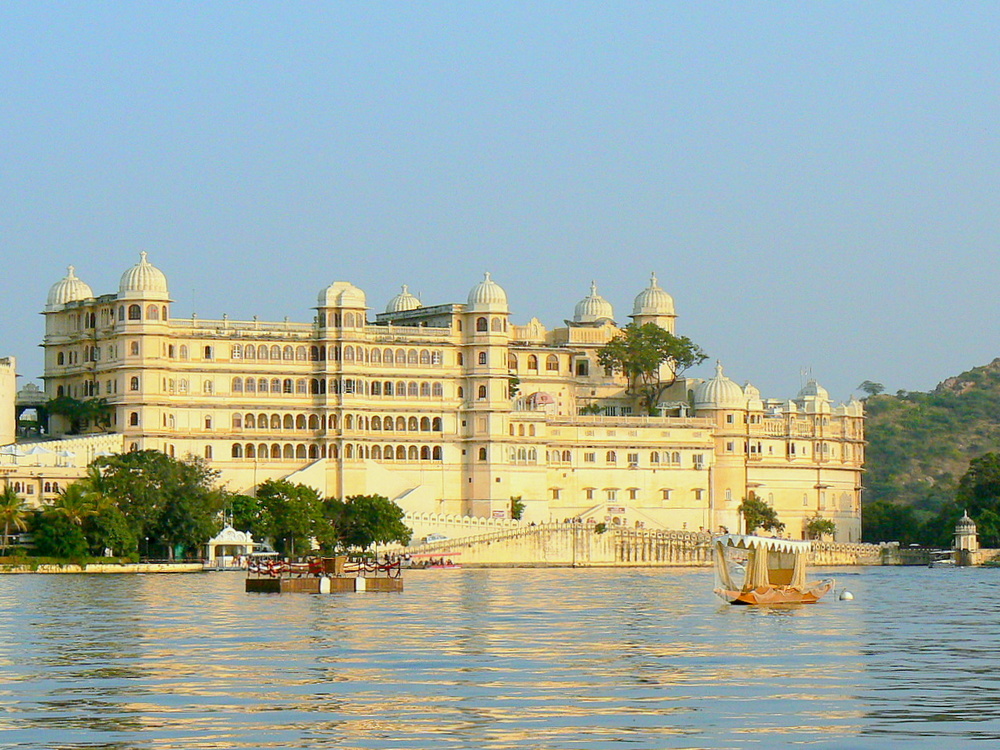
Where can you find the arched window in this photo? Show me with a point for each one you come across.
(262, 421)
(425, 357)
(207, 387)
(313, 422)
(235, 352)
(437, 390)
(275, 385)
(411, 357)
(209, 354)
(481, 392)
(275, 352)
(400, 424)
(376, 452)
(348, 353)
(314, 354)
(133, 348)
(287, 353)
(436, 424)
(287, 386)
(208, 423)
(533, 362)
(349, 422)
(412, 454)
(275, 451)
(288, 422)
(251, 385)
(482, 358)
(275, 422)
(250, 421)
(400, 389)
(301, 386)
(300, 452)
(237, 385)
(376, 423)
(152, 312)
(121, 313)
(436, 454)
(482, 324)
(208, 451)
(413, 391)
(376, 356)
(237, 421)
(133, 419)
(251, 451)
(611, 457)
(461, 392)
(496, 324)
(134, 312)
(60, 359)
(482, 454)
(237, 450)
(511, 362)
(387, 424)
(460, 359)
(412, 425)
(425, 424)
(425, 453)
(133, 383)
(376, 386)
(313, 451)
(552, 363)
(250, 352)
(567, 457)
(262, 352)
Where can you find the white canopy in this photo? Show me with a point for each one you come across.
(748, 541)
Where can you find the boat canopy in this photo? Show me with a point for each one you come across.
(771, 544)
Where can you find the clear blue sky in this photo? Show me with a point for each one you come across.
(815, 183)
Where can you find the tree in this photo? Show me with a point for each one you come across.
(171, 502)
(56, 535)
(640, 353)
(872, 389)
(592, 408)
(96, 411)
(290, 514)
(363, 520)
(516, 508)
(883, 521)
(979, 495)
(759, 515)
(13, 514)
(74, 503)
(817, 527)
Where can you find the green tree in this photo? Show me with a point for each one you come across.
(593, 408)
(871, 388)
(640, 353)
(247, 515)
(817, 527)
(95, 411)
(290, 513)
(171, 502)
(979, 495)
(757, 514)
(516, 508)
(363, 520)
(75, 504)
(884, 521)
(55, 535)
(13, 514)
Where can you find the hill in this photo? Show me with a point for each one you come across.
(920, 444)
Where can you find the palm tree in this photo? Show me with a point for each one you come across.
(13, 513)
(75, 503)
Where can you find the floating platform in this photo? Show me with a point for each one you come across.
(330, 575)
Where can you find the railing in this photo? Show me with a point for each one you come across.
(337, 567)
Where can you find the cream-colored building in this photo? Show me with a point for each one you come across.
(8, 394)
(449, 408)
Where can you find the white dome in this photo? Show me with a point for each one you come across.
(342, 294)
(719, 393)
(67, 289)
(403, 301)
(812, 389)
(752, 393)
(487, 296)
(143, 280)
(593, 308)
(653, 301)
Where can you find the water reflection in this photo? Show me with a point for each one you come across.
(494, 659)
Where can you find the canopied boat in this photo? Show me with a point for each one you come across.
(764, 570)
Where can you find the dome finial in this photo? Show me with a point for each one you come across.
(70, 272)
(486, 276)
(652, 279)
(718, 368)
(142, 257)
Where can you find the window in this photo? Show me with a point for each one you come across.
(208, 423)
(611, 457)
(134, 312)
(482, 451)
(633, 459)
(133, 383)
(235, 353)
(133, 348)
(589, 493)
(665, 494)
(552, 363)
(533, 362)
(482, 358)
(133, 419)
(208, 352)
(589, 458)
(152, 312)
(237, 385)
(583, 368)
(481, 393)
(482, 324)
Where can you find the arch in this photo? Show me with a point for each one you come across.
(275, 351)
(275, 385)
(377, 423)
(262, 351)
(413, 390)
(313, 422)
(237, 385)
(333, 421)
(275, 422)
(400, 389)
(412, 425)
(413, 454)
(437, 390)
(287, 353)
(483, 358)
(387, 424)
(425, 424)
(300, 451)
(533, 362)
(482, 324)
(482, 454)
(348, 320)
(208, 452)
(250, 421)
(376, 355)
(436, 424)
(262, 421)
(425, 357)
(275, 451)
(250, 352)
(349, 422)
(313, 386)
(387, 356)
(152, 312)
(387, 453)
(133, 383)
(481, 392)
(134, 312)
(348, 353)
(301, 386)
(411, 357)
(376, 452)
(461, 392)
(400, 424)
(552, 363)
(313, 451)
(400, 453)
(511, 361)
(314, 354)
(425, 453)
(288, 451)
(496, 324)
(436, 454)
(288, 423)
(133, 419)
(237, 421)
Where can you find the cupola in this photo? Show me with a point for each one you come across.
(653, 301)
(67, 289)
(593, 308)
(342, 294)
(403, 302)
(143, 280)
(719, 393)
(487, 296)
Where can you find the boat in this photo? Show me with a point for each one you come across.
(764, 570)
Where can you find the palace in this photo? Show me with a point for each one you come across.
(448, 409)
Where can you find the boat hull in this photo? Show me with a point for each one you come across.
(771, 595)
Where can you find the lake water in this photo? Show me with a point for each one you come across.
(559, 658)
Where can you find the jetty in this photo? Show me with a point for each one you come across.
(322, 575)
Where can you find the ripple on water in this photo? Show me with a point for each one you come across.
(495, 659)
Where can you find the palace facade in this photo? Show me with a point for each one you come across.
(449, 408)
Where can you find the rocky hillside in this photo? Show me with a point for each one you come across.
(920, 444)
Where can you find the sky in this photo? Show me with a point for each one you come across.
(815, 184)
